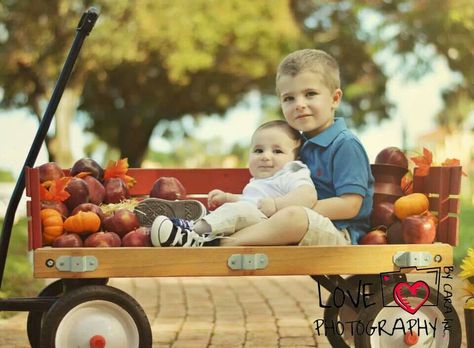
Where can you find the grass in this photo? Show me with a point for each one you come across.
(18, 278)
(466, 233)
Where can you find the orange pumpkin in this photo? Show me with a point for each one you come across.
(52, 225)
(82, 222)
(412, 204)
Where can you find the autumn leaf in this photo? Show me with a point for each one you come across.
(452, 162)
(423, 162)
(54, 190)
(118, 169)
(82, 174)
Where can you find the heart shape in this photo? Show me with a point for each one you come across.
(403, 301)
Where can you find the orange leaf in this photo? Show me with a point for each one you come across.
(423, 162)
(118, 169)
(407, 183)
(82, 174)
(55, 190)
(452, 162)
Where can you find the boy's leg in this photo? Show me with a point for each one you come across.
(285, 227)
(231, 217)
(321, 231)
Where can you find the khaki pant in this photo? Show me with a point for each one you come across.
(321, 231)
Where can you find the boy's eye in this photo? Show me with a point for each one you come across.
(277, 151)
(287, 98)
(311, 93)
(257, 151)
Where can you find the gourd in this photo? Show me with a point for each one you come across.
(412, 204)
(52, 225)
(82, 222)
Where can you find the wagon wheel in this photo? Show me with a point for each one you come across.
(56, 288)
(377, 312)
(346, 312)
(99, 313)
(33, 323)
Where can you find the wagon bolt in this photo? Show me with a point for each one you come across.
(411, 338)
(97, 341)
(49, 263)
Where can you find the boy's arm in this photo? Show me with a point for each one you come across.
(304, 195)
(342, 207)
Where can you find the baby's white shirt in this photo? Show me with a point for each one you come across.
(292, 175)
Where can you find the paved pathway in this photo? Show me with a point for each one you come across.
(217, 312)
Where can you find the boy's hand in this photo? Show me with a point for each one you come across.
(267, 206)
(216, 198)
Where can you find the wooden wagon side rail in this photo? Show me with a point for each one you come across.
(216, 261)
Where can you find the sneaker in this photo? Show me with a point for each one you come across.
(164, 233)
(148, 209)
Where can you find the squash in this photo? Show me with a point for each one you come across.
(82, 222)
(412, 204)
(51, 224)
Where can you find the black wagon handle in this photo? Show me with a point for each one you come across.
(84, 27)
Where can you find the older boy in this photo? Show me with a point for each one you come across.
(308, 86)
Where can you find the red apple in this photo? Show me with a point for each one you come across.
(374, 237)
(121, 222)
(137, 238)
(115, 190)
(382, 215)
(68, 240)
(392, 155)
(56, 205)
(88, 165)
(96, 189)
(50, 171)
(79, 193)
(168, 188)
(418, 229)
(89, 207)
(103, 239)
(394, 234)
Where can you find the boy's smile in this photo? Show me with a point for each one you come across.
(307, 103)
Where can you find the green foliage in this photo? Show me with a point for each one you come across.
(466, 236)
(6, 176)
(150, 61)
(17, 279)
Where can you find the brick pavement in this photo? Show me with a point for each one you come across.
(217, 312)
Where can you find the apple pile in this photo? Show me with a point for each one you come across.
(77, 199)
(407, 219)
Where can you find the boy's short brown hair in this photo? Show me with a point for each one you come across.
(312, 60)
(284, 126)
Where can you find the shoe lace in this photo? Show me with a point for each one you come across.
(182, 223)
(192, 238)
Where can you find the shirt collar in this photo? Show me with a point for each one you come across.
(329, 134)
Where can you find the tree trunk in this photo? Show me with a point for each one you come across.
(60, 145)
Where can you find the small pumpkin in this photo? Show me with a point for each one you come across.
(412, 204)
(52, 225)
(82, 222)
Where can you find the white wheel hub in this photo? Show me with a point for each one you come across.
(93, 318)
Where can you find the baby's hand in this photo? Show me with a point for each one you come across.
(216, 198)
(267, 206)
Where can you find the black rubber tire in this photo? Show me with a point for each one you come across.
(56, 288)
(363, 341)
(33, 323)
(88, 293)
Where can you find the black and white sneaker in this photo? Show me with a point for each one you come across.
(165, 233)
(150, 208)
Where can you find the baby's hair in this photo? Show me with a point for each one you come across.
(311, 60)
(284, 126)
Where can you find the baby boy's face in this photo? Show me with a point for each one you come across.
(270, 150)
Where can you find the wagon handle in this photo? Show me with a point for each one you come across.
(84, 27)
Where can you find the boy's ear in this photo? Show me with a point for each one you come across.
(336, 98)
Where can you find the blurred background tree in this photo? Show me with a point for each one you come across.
(148, 63)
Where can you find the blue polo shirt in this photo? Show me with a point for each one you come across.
(339, 165)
